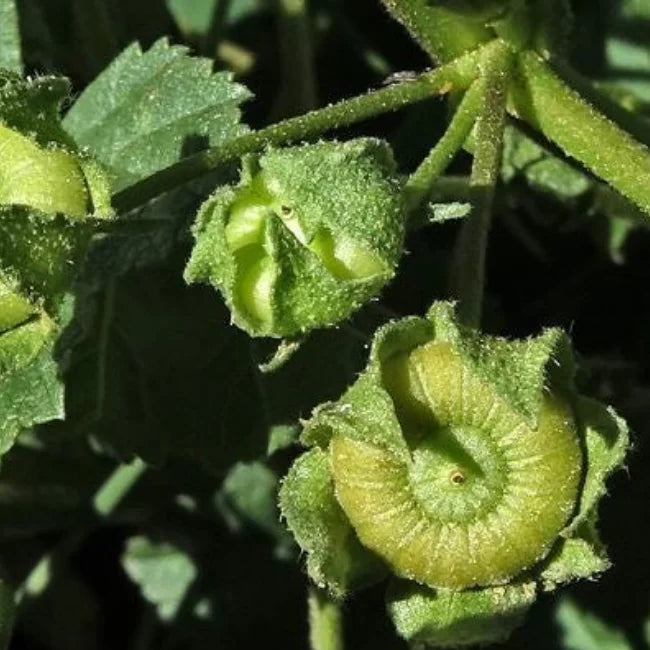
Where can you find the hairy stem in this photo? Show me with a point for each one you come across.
(298, 92)
(325, 624)
(441, 32)
(549, 104)
(420, 182)
(456, 75)
(468, 274)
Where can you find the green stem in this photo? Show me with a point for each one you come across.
(442, 32)
(469, 264)
(217, 24)
(432, 167)
(456, 75)
(100, 43)
(298, 92)
(116, 487)
(325, 621)
(543, 99)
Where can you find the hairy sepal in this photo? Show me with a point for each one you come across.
(309, 235)
(336, 560)
(450, 619)
(441, 408)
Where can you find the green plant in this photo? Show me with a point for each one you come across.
(465, 469)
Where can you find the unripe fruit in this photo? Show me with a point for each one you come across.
(307, 237)
(468, 465)
(50, 195)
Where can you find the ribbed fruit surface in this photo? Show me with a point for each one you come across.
(483, 496)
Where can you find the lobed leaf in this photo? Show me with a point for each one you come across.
(148, 109)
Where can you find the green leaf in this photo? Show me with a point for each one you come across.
(194, 389)
(193, 16)
(30, 389)
(440, 212)
(10, 53)
(335, 558)
(163, 572)
(581, 630)
(543, 171)
(190, 391)
(148, 109)
(447, 619)
(32, 106)
(251, 489)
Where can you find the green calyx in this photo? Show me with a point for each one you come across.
(51, 195)
(308, 235)
(469, 466)
(447, 29)
(462, 503)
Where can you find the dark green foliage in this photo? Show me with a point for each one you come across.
(168, 480)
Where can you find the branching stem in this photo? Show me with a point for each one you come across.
(468, 276)
(565, 117)
(457, 75)
(432, 167)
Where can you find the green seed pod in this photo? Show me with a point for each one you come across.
(50, 194)
(470, 466)
(308, 235)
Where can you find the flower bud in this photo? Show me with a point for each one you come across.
(309, 235)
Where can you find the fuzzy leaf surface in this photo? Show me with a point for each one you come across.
(148, 109)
